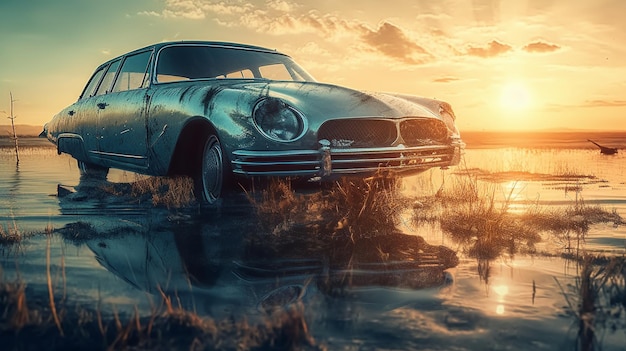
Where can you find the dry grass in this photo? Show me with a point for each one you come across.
(486, 228)
(472, 212)
(172, 192)
(554, 162)
(10, 234)
(12, 237)
(60, 325)
(354, 208)
(472, 209)
(168, 329)
(350, 227)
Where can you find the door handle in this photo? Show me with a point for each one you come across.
(102, 105)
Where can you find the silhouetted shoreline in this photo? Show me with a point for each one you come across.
(543, 139)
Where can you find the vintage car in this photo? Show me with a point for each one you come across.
(219, 112)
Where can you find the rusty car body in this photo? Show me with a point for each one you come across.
(220, 111)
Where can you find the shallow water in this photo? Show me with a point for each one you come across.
(204, 260)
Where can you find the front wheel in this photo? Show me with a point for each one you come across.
(90, 170)
(210, 182)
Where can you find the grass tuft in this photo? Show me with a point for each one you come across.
(172, 192)
(10, 234)
(597, 300)
(354, 208)
(170, 329)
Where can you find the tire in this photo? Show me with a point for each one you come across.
(210, 182)
(89, 170)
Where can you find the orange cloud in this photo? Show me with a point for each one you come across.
(540, 47)
(605, 103)
(445, 80)
(494, 48)
(393, 42)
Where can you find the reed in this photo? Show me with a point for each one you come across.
(10, 234)
(597, 300)
(14, 137)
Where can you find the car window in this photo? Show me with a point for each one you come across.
(245, 73)
(275, 72)
(133, 72)
(184, 62)
(108, 78)
(90, 89)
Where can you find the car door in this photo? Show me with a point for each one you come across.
(79, 132)
(122, 116)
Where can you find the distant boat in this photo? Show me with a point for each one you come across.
(603, 149)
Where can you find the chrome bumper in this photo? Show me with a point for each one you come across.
(327, 162)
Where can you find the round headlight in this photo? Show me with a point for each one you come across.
(278, 121)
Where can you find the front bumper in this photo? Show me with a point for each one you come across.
(328, 162)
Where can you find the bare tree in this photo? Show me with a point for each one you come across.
(12, 118)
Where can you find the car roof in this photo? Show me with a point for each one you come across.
(223, 44)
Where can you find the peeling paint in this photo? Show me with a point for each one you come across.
(208, 97)
(182, 95)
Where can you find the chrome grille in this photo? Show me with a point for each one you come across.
(420, 131)
(358, 133)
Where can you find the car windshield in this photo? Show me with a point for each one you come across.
(186, 62)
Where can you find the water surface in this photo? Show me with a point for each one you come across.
(129, 253)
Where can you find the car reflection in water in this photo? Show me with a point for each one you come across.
(209, 264)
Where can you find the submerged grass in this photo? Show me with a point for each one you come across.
(169, 328)
(12, 237)
(10, 234)
(475, 209)
(485, 227)
(350, 229)
(597, 300)
(474, 213)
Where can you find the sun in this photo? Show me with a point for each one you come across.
(515, 96)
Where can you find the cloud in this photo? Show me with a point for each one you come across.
(149, 13)
(222, 8)
(281, 5)
(189, 9)
(605, 103)
(393, 42)
(445, 79)
(281, 17)
(494, 48)
(540, 47)
(200, 9)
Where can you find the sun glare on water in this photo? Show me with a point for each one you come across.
(515, 97)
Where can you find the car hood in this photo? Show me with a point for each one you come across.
(331, 101)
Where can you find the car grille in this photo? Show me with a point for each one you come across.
(362, 133)
(420, 131)
(358, 133)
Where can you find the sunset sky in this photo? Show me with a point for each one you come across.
(523, 64)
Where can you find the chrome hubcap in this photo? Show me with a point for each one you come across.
(212, 170)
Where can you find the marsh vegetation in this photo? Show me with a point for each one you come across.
(352, 235)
